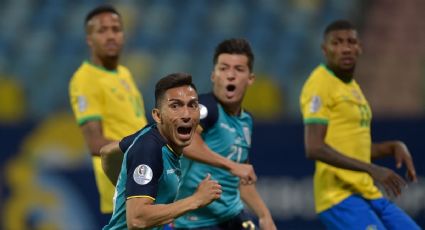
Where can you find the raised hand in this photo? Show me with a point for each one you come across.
(245, 172)
(402, 156)
(392, 183)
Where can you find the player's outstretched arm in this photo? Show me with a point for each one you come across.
(142, 213)
(199, 151)
(400, 152)
(253, 199)
(111, 158)
(317, 149)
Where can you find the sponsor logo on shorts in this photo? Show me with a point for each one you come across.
(371, 227)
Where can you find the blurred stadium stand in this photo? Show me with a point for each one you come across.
(43, 42)
(392, 69)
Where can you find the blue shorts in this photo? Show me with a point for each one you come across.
(356, 212)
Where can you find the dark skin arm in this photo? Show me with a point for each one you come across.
(93, 135)
(317, 149)
(399, 151)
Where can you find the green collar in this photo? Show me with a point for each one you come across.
(101, 67)
(333, 74)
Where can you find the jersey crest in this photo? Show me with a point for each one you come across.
(82, 103)
(316, 103)
(142, 174)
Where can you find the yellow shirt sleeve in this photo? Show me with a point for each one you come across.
(86, 98)
(315, 102)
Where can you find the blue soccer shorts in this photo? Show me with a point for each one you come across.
(356, 212)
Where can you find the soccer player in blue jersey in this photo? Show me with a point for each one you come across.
(150, 170)
(226, 130)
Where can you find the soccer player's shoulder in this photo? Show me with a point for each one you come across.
(124, 70)
(319, 74)
(209, 110)
(83, 75)
(207, 98)
(149, 142)
(319, 78)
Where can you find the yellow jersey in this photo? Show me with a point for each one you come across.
(327, 100)
(111, 97)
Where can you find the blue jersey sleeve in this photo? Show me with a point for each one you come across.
(126, 141)
(209, 110)
(144, 167)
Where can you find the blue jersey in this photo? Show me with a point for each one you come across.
(229, 136)
(149, 169)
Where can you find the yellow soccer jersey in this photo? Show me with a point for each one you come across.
(113, 98)
(325, 99)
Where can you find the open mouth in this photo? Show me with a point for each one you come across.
(231, 88)
(111, 45)
(230, 91)
(184, 130)
(347, 60)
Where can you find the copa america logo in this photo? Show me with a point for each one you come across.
(142, 174)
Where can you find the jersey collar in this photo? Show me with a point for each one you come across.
(333, 74)
(100, 67)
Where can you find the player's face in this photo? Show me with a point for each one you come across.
(230, 78)
(341, 49)
(179, 115)
(105, 35)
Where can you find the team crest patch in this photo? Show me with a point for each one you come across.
(356, 94)
(316, 103)
(142, 174)
(82, 103)
(203, 111)
(125, 84)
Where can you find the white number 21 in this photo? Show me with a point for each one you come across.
(235, 151)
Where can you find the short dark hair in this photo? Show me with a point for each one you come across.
(341, 24)
(235, 46)
(98, 10)
(171, 81)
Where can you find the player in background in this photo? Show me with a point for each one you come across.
(337, 133)
(105, 100)
(226, 130)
